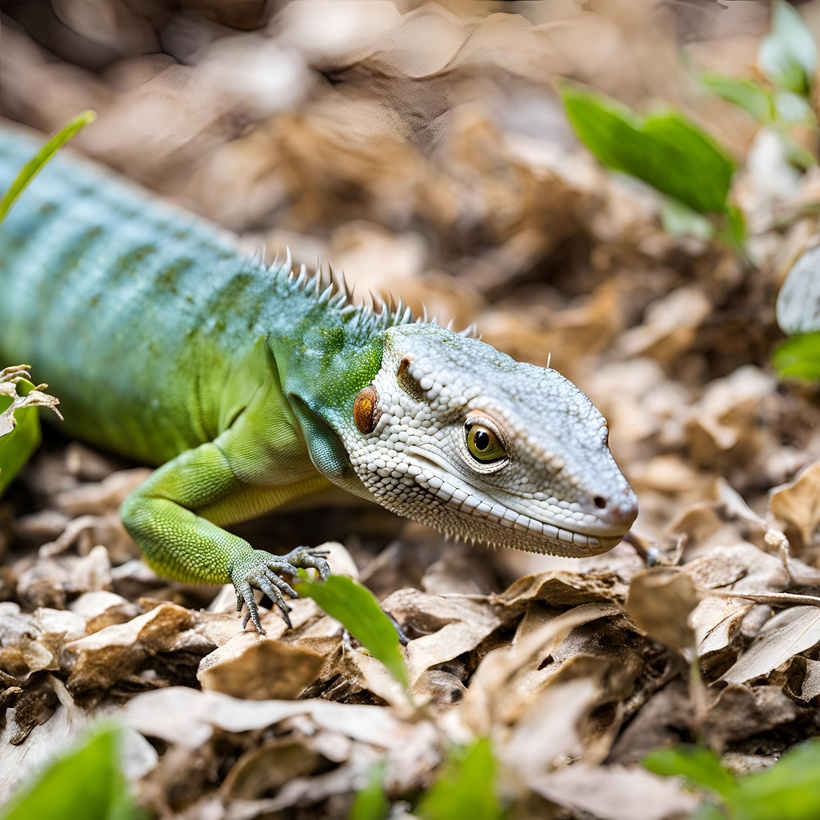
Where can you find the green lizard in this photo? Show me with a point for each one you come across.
(253, 385)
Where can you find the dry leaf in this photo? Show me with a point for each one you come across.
(660, 601)
(617, 792)
(797, 506)
(788, 633)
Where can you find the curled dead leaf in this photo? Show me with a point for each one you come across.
(660, 601)
(797, 506)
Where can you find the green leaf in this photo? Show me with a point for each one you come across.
(799, 357)
(84, 782)
(745, 94)
(680, 220)
(788, 54)
(358, 610)
(371, 802)
(790, 790)
(466, 788)
(17, 446)
(664, 149)
(699, 766)
(707, 811)
(733, 229)
(34, 165)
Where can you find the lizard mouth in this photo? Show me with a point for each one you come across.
(514, 528)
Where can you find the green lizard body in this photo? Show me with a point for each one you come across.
(252, 386)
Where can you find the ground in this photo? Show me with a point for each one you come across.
(423, 150)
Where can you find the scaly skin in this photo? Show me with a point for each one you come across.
(251, 387)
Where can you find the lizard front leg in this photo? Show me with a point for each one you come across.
(161, 516)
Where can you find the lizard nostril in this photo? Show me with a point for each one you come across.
(600, 502)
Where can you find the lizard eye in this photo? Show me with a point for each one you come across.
(483, 444)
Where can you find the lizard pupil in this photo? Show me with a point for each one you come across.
(483, 444)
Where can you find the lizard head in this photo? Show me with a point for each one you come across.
(463, 438)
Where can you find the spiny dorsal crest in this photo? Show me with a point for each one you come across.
(331, 290)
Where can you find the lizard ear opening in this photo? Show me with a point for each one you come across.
(406, 382)
(366, 411)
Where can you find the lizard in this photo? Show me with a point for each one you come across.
(249, 385)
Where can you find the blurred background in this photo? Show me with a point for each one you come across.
(422, 148)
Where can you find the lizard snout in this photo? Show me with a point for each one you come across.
(618, 510)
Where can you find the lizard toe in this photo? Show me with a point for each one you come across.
(246, 592)
(310, 559)
(276, 596)
(272, 578)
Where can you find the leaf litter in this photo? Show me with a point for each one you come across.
(447, 174)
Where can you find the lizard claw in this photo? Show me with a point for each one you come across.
(308, 558)
(261, 570)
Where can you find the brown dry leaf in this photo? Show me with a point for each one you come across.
(665, 717)
(788, 633)
(722, 623)
(353, 675)
(103, 497)
(660, 601)
(727, 417)
(797, 506)
(490, 695)
(261, 668)
(810, 685)
(564, 589)
(266, 769)
(743, 567)
(550, 732)
(17, 760)
(617, 792)
(53, 582)
(22, 650)
(187, 717)
(741, 712)
(125, 654)
(670, 326)
(421, 613)
(102, 608)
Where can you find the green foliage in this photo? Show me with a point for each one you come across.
(17, 446)
(358, 610)
(680, 220)
(36, 163)
(466, 787)
(799, 357)
(84, 782)
(789, 790)
(746, 94)
(707, 811)
(788, 57)
(700, 767)
(664, 149)
(788, 54)
(681, 160)
(732, 229)
(371, 802)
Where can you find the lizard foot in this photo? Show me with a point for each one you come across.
(260, 569)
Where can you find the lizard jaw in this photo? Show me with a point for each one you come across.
(502, 526)
(467, 505)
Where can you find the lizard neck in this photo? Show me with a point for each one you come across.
(323, 361)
